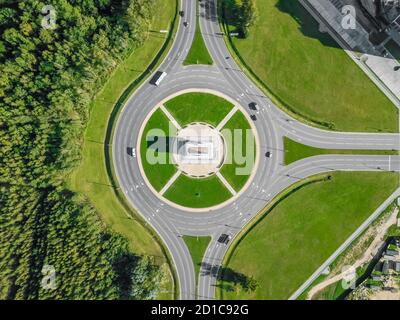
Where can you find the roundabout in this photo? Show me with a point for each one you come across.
(197, 150)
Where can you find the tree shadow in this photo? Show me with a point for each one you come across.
(228, 277)
(123, 267)
(210, 12)
(308, 26)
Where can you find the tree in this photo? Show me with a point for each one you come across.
(48, 79)
(246, 17)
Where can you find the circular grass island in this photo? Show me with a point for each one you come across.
(197, 150)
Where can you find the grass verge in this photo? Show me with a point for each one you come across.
(331, 292)
(197, 193)
(94, 176)
(295, 151)
(198, 53)
(236, 173)
(292, 238)
(156, 147)
(198, 107)
(307, 74)
(197, 247)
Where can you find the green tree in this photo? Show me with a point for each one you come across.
(246, 17)
(48, 79)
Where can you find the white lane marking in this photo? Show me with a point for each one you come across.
(330, 137)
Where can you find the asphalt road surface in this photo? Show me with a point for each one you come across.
(272, 175)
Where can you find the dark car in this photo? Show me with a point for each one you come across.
(131, 151)
(224, 238)
(181, 13)
(254, 106)
(185, 23)
(268, 154)
(253, 117)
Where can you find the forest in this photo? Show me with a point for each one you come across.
(53, 61)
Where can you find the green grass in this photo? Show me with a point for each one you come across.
(229, 170)
(296, 151)
(295, 236)
(197, 193)
(308, 74)
(160, 173)
(91, 177)
(331, 292)
(197, 247)
(198, 53)
(198, 107)
(394, 49)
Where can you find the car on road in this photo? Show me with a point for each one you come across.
(254, 106)
(181, 13)
(131, 151)
(253, 117)
(268, 154)
(158, 77)
(224, 238)
(185, 23)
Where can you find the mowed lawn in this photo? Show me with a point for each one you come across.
(197, 193)
(289, 243)
(198, 53)
(309, 73)
(198, 107)
(155, 146)
(296, 151)
(240, 161)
